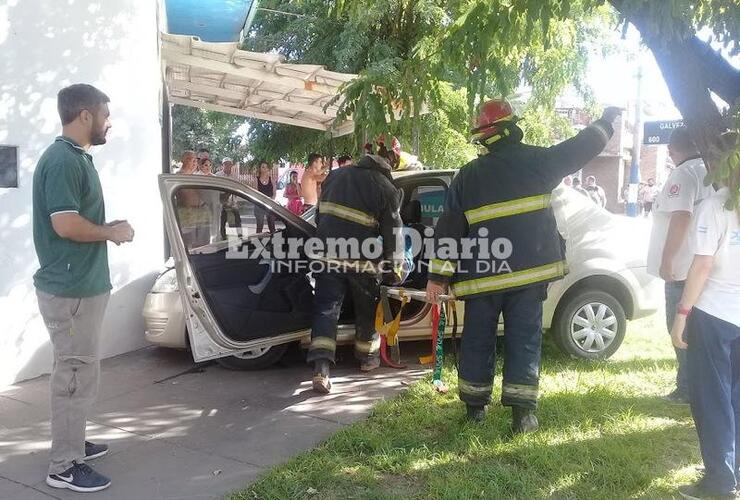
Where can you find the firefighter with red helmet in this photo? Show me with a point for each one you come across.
(503, 199)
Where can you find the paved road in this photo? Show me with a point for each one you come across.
(178, 431)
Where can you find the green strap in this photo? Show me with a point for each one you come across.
(439, 348)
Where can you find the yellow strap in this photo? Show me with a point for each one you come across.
(508, 208)
(347, 213)
(426, 360)
(452, 307)
(509, 280)
(390, 330)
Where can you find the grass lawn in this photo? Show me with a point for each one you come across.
(605, 433)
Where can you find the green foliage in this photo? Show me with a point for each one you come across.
(275, 141)
(727, 172)
(410, 52)
(489, 48)
(194, 128)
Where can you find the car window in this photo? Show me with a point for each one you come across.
(208, 218)
(431, 197)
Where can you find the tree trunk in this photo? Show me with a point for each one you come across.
(691, 96)
(691, 69)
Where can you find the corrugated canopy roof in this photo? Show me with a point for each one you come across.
(220, 77)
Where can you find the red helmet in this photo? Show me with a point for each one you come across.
(491, 114)
(396, 146)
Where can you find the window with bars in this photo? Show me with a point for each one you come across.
(8, 166)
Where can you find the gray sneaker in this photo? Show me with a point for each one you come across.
(80, 477)
(93, 451)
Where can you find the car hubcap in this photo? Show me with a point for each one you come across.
(594, 327)
(252, 353)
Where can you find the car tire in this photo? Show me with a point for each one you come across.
(254, 360)
(580, 332)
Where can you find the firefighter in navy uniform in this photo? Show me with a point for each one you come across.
(358, 204)
(504, 197)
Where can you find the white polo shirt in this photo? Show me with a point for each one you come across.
(682, 192)
(717, 232)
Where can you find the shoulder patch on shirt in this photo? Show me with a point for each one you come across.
(674, 190)
(735, 238)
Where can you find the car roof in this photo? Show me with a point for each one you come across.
(405, 174)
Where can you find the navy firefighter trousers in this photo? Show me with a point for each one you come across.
(522, 312)
(331, 288)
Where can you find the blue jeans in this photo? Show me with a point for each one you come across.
(714, 385)
(522, 311)
(673, 293)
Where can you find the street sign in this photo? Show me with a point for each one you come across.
(659, 132)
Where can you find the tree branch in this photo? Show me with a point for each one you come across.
(722, 78)
(688, 68)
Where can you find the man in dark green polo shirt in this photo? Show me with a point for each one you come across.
(73, 282)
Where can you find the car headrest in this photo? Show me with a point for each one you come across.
(411, 212)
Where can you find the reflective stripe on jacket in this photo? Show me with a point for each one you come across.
(503, 198)
(357, 204)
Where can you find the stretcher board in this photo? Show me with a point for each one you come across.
(413, 294)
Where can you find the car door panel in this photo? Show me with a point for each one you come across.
(234, 301)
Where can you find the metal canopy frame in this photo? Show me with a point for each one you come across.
(221, 77)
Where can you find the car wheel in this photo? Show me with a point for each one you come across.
(254, 359)
(590, 325)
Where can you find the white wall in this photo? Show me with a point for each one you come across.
(44, 46)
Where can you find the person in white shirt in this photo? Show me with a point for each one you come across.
(595, 192)
(651, 193)
(669, 256)
(227, 169)
(711, 334)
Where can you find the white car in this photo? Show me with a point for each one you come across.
(238, 311)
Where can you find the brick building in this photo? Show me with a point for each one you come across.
(612, 167)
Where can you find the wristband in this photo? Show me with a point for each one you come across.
(682, 310)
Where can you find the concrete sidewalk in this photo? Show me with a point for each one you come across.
(178, 431)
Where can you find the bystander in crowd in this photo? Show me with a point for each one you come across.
(595, 192)
(669, 256)
(707, 325)
(266, 187)
(293, 194)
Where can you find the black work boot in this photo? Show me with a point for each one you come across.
(523, 420)
(369, 364)
(321, 381)
(475, 414)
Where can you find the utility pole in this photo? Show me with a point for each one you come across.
(633, 208)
